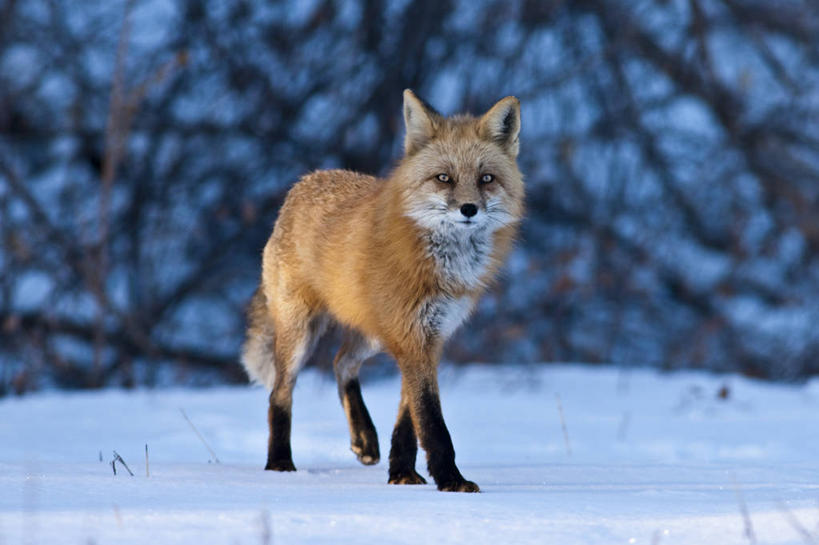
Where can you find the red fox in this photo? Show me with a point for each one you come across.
(399, 263)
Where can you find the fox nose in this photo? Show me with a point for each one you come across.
(469, 210)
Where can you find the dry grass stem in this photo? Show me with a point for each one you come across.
(803, 532)
(118, 458)
(563, 426)
(199, 435)
(623, 427)
(746, 518)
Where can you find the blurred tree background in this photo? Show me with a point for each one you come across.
(671, 149)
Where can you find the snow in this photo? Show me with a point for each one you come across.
(655, 459)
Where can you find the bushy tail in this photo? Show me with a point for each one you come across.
(257, 351)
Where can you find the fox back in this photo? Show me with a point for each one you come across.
(399, 262)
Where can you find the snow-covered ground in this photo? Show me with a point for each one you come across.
(654, 459)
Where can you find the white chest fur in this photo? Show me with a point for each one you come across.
(461, 255)
(441, 316)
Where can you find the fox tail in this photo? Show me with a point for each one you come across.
(257, 350)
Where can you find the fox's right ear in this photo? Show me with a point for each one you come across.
(420, 120)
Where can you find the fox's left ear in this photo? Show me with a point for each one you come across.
(501, 124)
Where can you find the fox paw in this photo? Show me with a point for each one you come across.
(459, 486)
(280, 465)
(367, 453)
(406, 477)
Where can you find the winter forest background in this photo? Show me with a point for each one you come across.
(671, 149)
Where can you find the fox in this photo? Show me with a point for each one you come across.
(399, 264)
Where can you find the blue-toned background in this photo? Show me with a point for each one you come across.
(671, 152)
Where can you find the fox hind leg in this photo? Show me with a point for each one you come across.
(363, 437)
(294, 341)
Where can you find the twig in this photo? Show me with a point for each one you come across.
(623, 376)
(807, 537)
(118, 458)
(122, 108)
(267, 530)
(623, 427)
(147, 466)
(743, 509)
(207, 446)
(563, 425)
(113, 146)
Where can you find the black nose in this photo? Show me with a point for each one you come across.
(469, 210)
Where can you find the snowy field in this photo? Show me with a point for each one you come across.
(651, 459)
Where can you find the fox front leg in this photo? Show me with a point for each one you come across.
(428, 421)
(404, 447)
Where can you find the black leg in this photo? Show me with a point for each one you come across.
(363, 437)
(404, 450)
(434, 437)
(279, 456)
(292, 344)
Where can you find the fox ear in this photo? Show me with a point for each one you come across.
(501, 124)
(420, 120)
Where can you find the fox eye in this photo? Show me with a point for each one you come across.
(443, 178)
(487, 179)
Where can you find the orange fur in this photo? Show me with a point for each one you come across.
(390, 259)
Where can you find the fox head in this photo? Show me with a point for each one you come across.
(460, 173)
